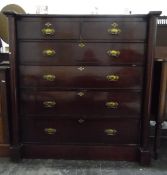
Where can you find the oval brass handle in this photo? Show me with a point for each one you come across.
(50, 131)
(48, 31)
(113, 53)
(110, 132)
(49, 104)
(49, 52)
(112, 104)
(114, 30)
(49, 77)
(112, 77)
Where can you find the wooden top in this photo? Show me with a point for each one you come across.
(9, 13)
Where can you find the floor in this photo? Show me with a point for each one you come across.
(73, 167)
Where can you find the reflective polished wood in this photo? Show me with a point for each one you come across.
(81, 83)
(81, 53)
(81, 103)
(82, 77)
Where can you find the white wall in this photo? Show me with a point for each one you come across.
(91, 6)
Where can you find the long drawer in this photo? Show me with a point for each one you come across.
(81, 77)
(53, 131)
(84, 103)
(72, 53)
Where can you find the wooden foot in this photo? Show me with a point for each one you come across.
(15, 153)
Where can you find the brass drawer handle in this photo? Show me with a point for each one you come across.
(110, 132)
(114, 30)
(50, 131)
(49, 104)
(113, 53)
(112, 77)
(112, 104)
(49, 52)
(49, 77)
(48, 31)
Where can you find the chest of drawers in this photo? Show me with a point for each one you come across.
(81, 85)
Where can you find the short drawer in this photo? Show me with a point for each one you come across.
(72, 53)
(81, 77)
(114, 29)
(47, 28)
(52, 131)
(84, 103)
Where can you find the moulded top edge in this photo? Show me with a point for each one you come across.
(9, 13)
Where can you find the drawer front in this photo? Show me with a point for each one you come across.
(116, 30)
(52, 131)
(69, 53)
(87, 104)
(81, 77)
(45, 28)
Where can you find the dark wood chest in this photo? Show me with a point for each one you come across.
(81, 85)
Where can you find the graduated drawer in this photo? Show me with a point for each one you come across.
(115, 29)
(47, 28)
(84, 103)
(71, 53)
(81, 77)
(53, 131)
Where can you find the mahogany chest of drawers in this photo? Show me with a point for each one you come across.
(81, 85)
